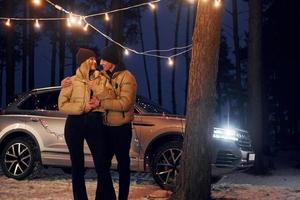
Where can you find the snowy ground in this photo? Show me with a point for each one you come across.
(282, 183)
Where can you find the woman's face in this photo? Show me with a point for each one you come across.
(93, 63)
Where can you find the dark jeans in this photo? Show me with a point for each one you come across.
(119, 142)
(89, 127)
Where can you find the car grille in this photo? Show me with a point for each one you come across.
(226, 159)
(244, 140)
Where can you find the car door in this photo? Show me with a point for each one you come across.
(47, 121)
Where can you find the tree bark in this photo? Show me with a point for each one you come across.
(25, 47)
(1, 82)
(236, 41)
(53, 54)
(178, 14)
(73, 49)
(62, 50)
(187, 56)
(117, 22)
(144, 57)
(10, 61)
(158, 64)
(31, 54)
(195, 172)
(255, 82)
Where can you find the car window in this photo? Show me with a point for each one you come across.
(149, 106)
(42, 101)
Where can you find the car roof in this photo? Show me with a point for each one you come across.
(46, 88)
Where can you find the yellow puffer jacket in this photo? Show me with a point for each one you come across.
(102, 89)
(119, 110)
(72, 99)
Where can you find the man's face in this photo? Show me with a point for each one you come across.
(106, 65)
(93, 63)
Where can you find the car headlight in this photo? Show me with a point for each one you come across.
(226, 134)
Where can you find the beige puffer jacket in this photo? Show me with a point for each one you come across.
(119, 110)
(72, 99)
(102, 89)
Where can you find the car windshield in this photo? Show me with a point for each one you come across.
(150, 106)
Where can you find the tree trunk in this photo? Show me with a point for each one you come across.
(107, 29)
(144, 57)
(10, 61)
(53, 54)
(187, 55)
(178, 14)
(158, 65)
(73, 51)
(31, 54)
(25, 47)
(254, 82)
(195, 172)
(236, 41)
(117, 22)
(1, 82)
(62, 50)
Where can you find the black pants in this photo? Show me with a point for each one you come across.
(119, 142)
(89, 127)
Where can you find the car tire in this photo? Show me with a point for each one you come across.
(166, 163)
(20, 158)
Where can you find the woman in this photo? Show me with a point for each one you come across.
(84, 121)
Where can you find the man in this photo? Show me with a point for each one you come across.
(119, 113)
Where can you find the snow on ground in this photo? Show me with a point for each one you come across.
(283, 183)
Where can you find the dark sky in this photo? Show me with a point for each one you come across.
(134, 62)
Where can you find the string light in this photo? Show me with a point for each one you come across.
(69, 24)
(217, 3)
(126, 52)
(77, 20)
(85, 28)
(7, 23)
(37, 2)
(37, 24)
(72, 19)
(106, 17)
(152, 6)
(170, 62)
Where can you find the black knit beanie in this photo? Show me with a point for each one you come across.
(111, 54)
(84, 54)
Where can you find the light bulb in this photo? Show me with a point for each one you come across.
(7, 23)
(106, 17)
(126, 52)
(79, 21)
(152, 6)
(69, 24)
(170, 61)
(37, 2)
(217, 3)
(37, 24)
(85, 28)
(72, 19)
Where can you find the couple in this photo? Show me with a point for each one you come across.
(100, 108)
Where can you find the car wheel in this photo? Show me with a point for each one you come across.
(20, 158)
(166, 164)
